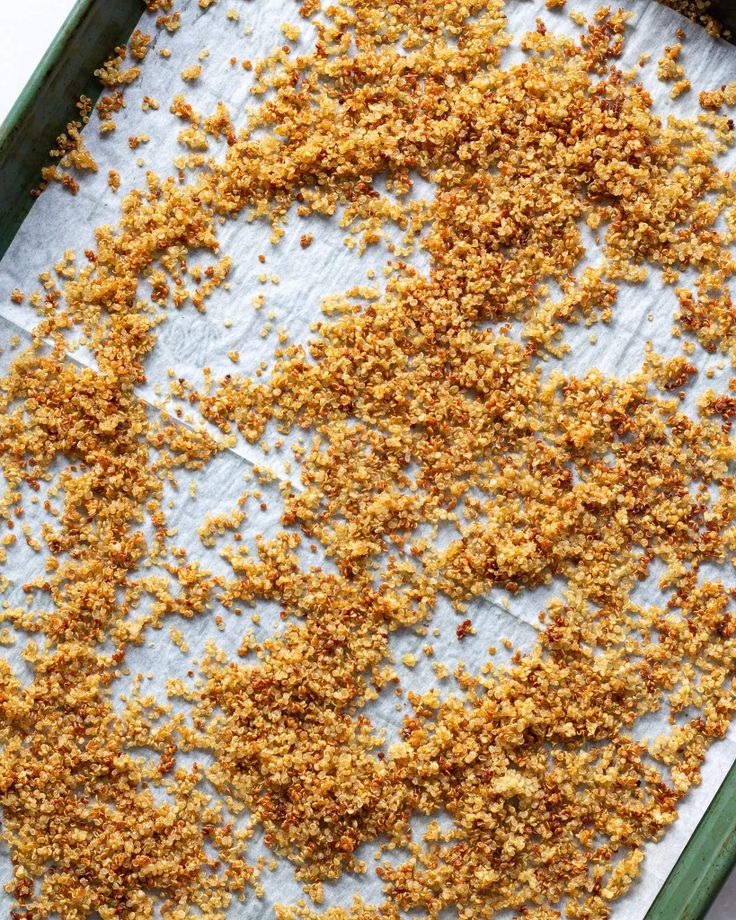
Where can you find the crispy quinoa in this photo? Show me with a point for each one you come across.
(423, 412)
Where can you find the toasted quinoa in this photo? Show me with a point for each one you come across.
(424, 412)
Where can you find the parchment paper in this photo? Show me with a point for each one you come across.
(189, 341)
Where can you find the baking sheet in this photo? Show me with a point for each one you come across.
(188, 341)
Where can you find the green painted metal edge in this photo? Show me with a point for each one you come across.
(725, 11)
(705, 862)
(47, 104)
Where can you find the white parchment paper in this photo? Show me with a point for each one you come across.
(188, 341)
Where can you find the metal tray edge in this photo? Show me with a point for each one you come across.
(53, 56)
(47, 102)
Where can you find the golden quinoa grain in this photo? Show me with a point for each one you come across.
(191, 73)
(291, 31)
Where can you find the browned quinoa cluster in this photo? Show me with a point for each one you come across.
(424, 413)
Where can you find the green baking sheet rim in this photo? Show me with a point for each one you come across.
(92, 30)
(47, 104)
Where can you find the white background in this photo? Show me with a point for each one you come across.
(26, 30)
